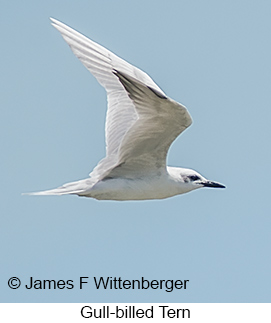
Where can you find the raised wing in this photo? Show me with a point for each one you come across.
(121, 113)
(144, 147)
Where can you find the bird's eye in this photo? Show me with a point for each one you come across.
(194, 178)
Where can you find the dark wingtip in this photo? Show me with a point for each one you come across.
(160, 95)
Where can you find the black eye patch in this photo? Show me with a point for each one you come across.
(193, 178)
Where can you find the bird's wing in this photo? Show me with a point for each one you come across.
(144, 148)
(121, 113)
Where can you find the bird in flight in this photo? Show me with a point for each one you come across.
(141, 124)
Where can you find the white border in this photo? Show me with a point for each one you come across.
(199, 312)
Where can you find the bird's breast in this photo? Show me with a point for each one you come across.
(146, 188)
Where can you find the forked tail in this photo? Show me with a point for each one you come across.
(77, 188)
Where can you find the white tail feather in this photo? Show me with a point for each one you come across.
(78, 188)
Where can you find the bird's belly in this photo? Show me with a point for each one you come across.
(131, 189)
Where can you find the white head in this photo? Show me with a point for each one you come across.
(188, 179)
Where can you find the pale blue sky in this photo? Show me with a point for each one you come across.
(212, 56)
